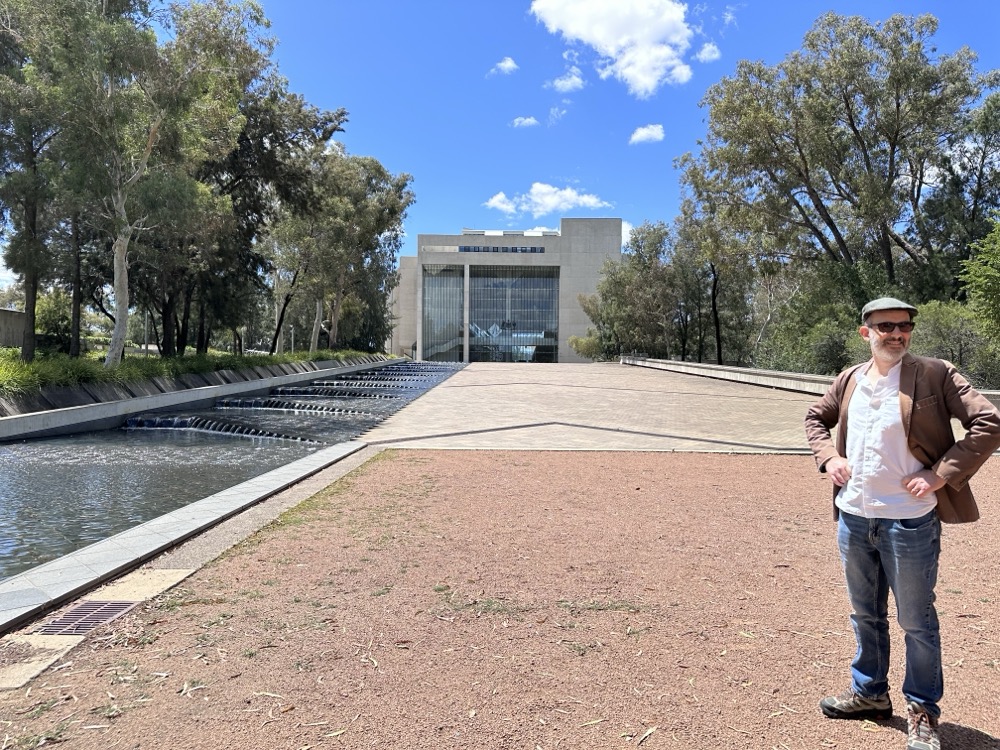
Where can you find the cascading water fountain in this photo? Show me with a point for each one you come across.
(58, 495)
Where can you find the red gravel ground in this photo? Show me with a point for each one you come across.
(521, 600)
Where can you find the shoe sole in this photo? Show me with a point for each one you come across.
(871, 713)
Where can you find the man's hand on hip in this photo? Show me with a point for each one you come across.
(923, 483)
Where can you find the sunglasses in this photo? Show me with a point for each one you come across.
(886, 327)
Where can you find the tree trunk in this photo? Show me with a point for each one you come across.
(317, 326)
(201, 345)
(117, 346)
(280, 311)
(338, 301)
(715, 313)
(168, 348)
(77, 302)
(30, 300)
(885, 245)
(183, 330)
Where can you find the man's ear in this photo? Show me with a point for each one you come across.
(865, 332)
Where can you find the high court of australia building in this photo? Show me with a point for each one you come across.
(500, 297)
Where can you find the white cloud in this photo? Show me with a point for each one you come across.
(626, 232)
(641, 42)
(502, 203)
(504, 67)
(543, 199)
(524, 122)
(555, 115)
(647, 134)
(709, 52)
(729, 17)
(572, 80)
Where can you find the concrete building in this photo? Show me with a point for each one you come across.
(500, 297)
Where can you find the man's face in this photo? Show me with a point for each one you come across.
(887, 347)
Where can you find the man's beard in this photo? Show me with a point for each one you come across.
(882, 353)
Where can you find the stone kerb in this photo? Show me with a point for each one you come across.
(112, 414)
(786, 381)
(789, 381)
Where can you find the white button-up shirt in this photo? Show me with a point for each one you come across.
(877, 453)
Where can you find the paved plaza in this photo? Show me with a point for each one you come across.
(604, 406)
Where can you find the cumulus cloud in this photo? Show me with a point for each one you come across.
(646, 134)
(556, 114)
(571, 81)
(641, 42)
(709, 52)
(524, 122)
(504, 67)
(543, 199)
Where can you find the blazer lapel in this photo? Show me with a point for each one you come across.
(907, 386)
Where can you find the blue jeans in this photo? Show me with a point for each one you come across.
(880, 554)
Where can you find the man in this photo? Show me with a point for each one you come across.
(897, 473)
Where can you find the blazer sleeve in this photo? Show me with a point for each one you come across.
(822, 417)
(981, 421)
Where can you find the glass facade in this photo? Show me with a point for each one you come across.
(442, 313)
(514, 313)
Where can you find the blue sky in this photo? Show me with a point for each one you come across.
(511, 114)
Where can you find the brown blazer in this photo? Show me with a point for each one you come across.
(931, 392)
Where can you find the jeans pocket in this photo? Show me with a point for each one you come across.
(920, 523)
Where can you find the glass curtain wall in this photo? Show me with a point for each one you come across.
(514, 313)
(442, 316)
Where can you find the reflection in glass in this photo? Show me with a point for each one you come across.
(514, 313)
(442, 313)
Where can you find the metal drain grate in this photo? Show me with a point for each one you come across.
(84, 617)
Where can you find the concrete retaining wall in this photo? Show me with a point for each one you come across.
(786, 381)
(11, 328)
(112, 412)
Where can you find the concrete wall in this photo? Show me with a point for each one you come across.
(11, 328)
(404, 307)
(786, 381)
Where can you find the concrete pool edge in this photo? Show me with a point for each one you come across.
(27, 595)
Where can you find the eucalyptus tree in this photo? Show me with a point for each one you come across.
(28, 132)
(365, 206)
(131, 104)
(836, 150)
(269, 175)
(635, 306)
(344, 247)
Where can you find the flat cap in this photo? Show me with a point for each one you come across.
(886, 303)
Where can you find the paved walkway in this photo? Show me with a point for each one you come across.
(596, 407)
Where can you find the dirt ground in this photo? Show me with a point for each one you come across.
(522, 600)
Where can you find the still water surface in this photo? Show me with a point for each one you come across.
(58, 495)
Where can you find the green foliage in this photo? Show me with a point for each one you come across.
(52, 320)
(981, 275)
(947, 330)
(864, 145)
(61, 369)
(588, 347)
(58, 369)
(16, 377)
